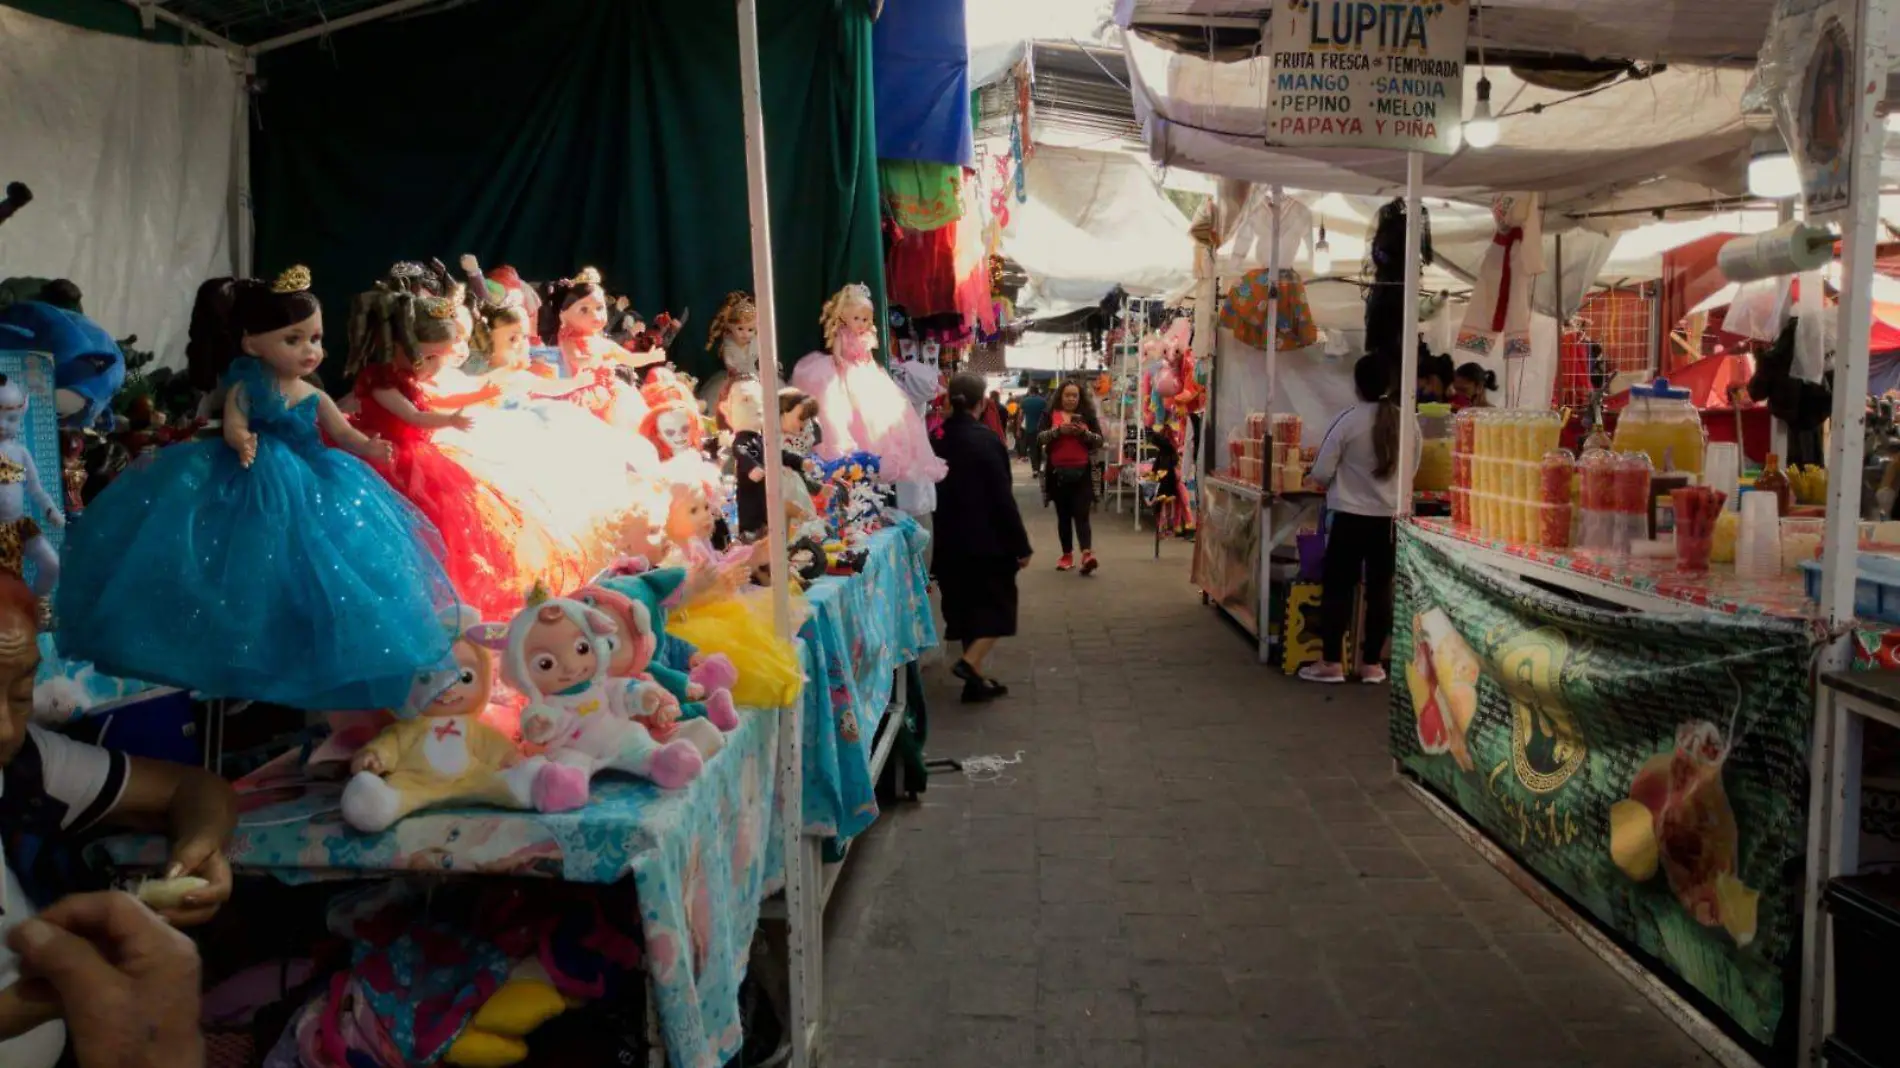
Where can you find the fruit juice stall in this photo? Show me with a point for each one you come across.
(1606, 674)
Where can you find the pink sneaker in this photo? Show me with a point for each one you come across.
(559, 788)
(1372, 674)
(675, 765)
(1322, 672)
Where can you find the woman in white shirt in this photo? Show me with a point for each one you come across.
(1358, 467)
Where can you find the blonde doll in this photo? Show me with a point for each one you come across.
(860, 409)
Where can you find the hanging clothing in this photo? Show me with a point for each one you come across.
(921, 195)
(921, 272)
(1498, 321)
(1244, 312)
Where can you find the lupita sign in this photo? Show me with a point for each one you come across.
(1367, 74)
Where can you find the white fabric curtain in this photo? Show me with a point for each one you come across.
(128, 148)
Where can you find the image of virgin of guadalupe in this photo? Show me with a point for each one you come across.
(1824, 99)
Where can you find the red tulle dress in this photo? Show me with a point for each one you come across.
(479, 526)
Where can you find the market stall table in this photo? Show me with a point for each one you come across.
(702, 859)
(1636, 737)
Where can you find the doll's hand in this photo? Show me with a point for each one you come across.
(55, 520)
(378, 449)
(666, 711)
(366, 760)
(460, 421)
(537, 726)
(246, 446)
(758, 474)
(695, 692)
(469, 263)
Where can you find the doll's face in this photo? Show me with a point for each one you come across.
(745, 406)
(508, 344)
(675, 426)
(860, 317)
(691, 517)
(792, 422)
(559, 654)
(468, 691)
(430, 357)
(743, 329)
(635, 647)
(588, 314)
(292, 352)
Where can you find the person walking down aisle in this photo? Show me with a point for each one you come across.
(1067, 446)
(1357, 467)
(978, 539)
(992, 415)
(1034, 407)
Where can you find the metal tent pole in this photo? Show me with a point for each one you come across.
(804, 864)
(1263, 567)
(1408, 334)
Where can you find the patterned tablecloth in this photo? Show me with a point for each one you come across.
(702, 860)
(862, 628)
(1876, 645)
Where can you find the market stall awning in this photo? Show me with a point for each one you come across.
(1693, 31)
(1674, 136)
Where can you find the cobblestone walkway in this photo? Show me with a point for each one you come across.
(1198, 863)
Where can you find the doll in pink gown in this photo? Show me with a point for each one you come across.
(860, 409)
(575, 316)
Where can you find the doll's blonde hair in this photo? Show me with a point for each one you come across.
(737, 307)
(850, 296)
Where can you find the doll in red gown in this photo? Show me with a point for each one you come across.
(494, 550)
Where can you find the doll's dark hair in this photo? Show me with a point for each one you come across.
(494, 315)
(797, 400)
(228, 309)
(387, 322)
(566, 293)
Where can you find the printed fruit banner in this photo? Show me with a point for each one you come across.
(1653, 767)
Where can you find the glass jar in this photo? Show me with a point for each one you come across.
(1662, 422)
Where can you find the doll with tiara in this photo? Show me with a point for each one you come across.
(21, 541)
(574, 315)
(260, 564)
(860, 409)
(497, 545)
(734, 334)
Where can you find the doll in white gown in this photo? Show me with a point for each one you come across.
(859, 407)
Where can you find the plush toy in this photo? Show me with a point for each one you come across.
(496, 1036)
(441, 753)
(559, 654)
(637, 605)
(21, 541)
(691, 496)
(88, 365)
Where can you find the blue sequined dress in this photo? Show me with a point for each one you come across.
(304, 580)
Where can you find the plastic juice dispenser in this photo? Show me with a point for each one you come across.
(1660, 418)
(1434, 454)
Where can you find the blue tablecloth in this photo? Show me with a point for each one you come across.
(862, 628)
(702, 859)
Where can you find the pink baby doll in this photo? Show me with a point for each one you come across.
(637, 606)
(559, 654)
(439, 752)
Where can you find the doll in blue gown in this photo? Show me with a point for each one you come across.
(262, 564)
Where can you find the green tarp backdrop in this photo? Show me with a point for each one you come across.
(554, 134)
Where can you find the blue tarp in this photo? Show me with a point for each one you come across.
(922, 71)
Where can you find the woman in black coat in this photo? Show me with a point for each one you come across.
(978, 538)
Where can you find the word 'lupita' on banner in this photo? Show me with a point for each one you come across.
(1368, 74)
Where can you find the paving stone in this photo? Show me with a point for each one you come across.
(1198, 863)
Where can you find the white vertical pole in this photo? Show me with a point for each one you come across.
(1835, 760)
(1777, 429)
(1408, 333)
(243, 240)
(758, 199)
(1263, 565)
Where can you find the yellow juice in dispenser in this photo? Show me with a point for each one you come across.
(1662, 422)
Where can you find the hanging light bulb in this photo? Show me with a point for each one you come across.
(1481, 130)
(1322, 252)
(1771, 170)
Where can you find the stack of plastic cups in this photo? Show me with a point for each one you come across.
(1758, 546)
(1632, 499)
(1722, 471)
(1596, 473)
